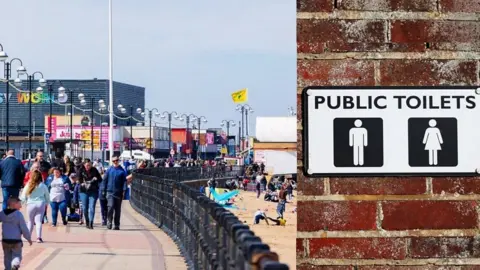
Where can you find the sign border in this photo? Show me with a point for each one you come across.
(304, 112)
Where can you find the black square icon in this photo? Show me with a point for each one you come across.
(358, 142)
(432, 142)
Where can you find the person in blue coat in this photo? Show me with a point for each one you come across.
(12, 173)
(114, 185)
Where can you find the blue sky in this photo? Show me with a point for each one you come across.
(189, 54)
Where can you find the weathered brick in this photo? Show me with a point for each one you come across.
(358, 248)
(309, 186)
(459, 5)
(331, 216)
(335, 72)
(444, 247)
(388, 5)
(305, 266)
(378, 186)
(459, 185)
(317, 36)
(314, 5)
(299, 141)
(300, 248)
(416, 267)
(408, 215)
(435, 31)
(428, 72)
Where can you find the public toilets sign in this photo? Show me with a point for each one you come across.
(358, 131)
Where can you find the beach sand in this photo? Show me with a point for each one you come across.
(280, 239)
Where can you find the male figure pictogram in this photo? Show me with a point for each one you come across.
(358, 139)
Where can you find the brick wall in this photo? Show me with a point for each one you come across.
(387, 222)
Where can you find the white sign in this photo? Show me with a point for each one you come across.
(391, 131)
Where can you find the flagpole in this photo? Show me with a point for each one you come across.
(110, 81)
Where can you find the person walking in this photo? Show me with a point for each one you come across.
(35, 167)
(12, 174)
(36, 196)
(89, 180)
(59, 196)
(13, 227)
(114, 185)
(44, 165)
(69, 166)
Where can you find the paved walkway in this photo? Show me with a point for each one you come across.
(138, 245)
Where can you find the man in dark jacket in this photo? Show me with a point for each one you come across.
(44, 165)
(58, 162)
(114, 185)
(12, 173)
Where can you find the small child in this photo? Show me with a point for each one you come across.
(76, 200)
(13, 227)
(259, 215)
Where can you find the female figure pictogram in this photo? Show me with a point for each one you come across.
(433, 141)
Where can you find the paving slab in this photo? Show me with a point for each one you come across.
(138, 245)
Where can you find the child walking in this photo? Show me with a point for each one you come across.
(13, 227)
(36, 195)
(76, 201)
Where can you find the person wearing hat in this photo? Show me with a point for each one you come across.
(114, 185)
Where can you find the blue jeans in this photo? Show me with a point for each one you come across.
(7, 192)
(281, 208)
(89, 200)
(62, 206)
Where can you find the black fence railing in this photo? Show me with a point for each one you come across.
(209, 236)
(193, 173)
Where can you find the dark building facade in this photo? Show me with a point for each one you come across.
(19, 123)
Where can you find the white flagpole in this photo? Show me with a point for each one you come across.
(110, 92)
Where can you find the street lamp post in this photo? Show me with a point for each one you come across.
(62, 95)
(244, 109)
(20, 71)
(42, 82)
(291, 111)
(102, 108)
(83, 102)
(150, 116)
(50, 98)
(187, 119)
(228, 123)
(123, 110)
(199, 122)
(169, 115)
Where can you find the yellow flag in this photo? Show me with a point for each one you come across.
(240, 96)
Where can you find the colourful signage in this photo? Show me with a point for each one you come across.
(36, 98)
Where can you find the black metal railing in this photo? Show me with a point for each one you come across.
(193, 173)
(209, 236)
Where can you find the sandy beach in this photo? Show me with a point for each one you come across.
(281, 239)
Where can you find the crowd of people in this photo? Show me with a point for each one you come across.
(64, 185)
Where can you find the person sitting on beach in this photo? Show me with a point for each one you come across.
(259, 215)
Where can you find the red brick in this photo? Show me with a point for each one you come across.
(443, 247)
(317, 36)
(428, 72)
(305, 266)
(309, 186)
(300, 248)
(335, 72)
(358, 248)
(376, 47)
(417, 267)
(435, 31)
(460, 185)
(299, 144)
(314, 5)
(459, 5)
(378, 186)
(388, 5)
(333, 215)
(408, 215)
